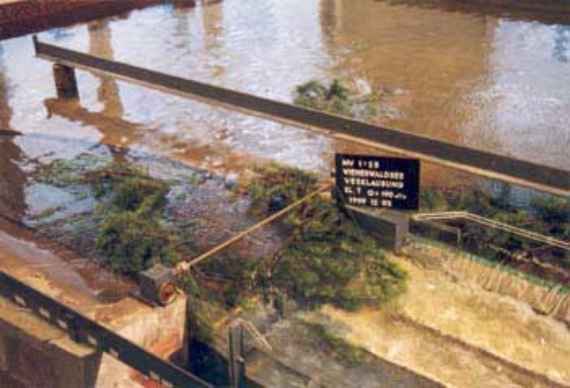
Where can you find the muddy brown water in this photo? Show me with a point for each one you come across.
(498, 81)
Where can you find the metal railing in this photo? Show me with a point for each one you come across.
(490, 223)
(463, 158)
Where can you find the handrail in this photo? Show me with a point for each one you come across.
(515, 171)
(454, 215)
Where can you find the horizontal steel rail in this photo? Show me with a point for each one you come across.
(86, 331)
(483, 163)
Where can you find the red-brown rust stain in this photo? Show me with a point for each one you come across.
(145, 382)
(163, 349)
(168, 346)
(61, 273)
(216, 157)
(119, 314)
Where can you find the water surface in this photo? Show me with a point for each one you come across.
(496, 81)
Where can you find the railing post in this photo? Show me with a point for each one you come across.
(65, 81)
(236, 356)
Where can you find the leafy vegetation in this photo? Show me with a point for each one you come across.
(277, 183)
(547, 215)
(144, 196)
(132, 235)
(202, 315)
(65, 172)
(129, 224)
(132, 243)
(330, 260)
(326, 258)
(343, 351)
(536, 280)
(189, 285)
(239, 275)
(337, 99)
(555, 214)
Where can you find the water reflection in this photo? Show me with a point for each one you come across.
(490, 11)
(213, 19)
(562, 43)
(117, 133)
(59, 33)
(100, 44)
(479, 78)
(12, 178)
(331, 18)
(476, 78)
(527, 99)
(114, 129)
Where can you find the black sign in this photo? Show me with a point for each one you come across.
(378, 181)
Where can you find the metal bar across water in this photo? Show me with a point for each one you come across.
(482, 163)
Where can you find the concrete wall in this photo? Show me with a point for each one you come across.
(34, 354)
(160, 330)
(38, 355)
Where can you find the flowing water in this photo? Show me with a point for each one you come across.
(489, 79)
(495, 81)
(498, 81)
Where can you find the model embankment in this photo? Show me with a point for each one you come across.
(497, 278)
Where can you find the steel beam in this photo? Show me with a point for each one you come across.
(463, 158)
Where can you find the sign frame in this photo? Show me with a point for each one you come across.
(378, 181)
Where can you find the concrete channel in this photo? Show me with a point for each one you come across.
(36, 354)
